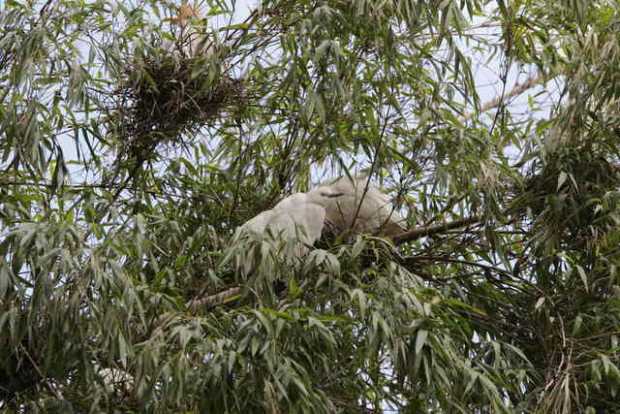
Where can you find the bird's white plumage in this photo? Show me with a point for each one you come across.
(297, 217)
(361, 208)
(347, 205)
(301, 217)
(258, 224)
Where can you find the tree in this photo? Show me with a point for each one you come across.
(136, 136)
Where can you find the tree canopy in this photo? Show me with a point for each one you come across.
(136, 136)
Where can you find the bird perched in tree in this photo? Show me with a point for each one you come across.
(300, 216)
(346, 205)
(360, 208)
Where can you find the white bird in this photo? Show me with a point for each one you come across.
(361, 207)
(345, 205)
(300, 217)
(293, 217)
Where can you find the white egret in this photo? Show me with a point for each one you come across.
(345, 205)
(300, 216)
(361, 207)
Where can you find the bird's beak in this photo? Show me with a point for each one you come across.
(332, 195)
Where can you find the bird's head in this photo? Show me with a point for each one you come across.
(324, 195)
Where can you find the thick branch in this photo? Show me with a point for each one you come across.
(419, 232)
(213, 300)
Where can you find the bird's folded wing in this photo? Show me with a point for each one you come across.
(309, 220)
(258, 224)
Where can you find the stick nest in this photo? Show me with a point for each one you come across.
(169, 92)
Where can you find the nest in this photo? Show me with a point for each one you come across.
(167, 93)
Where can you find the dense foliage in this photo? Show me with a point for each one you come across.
(129, 153)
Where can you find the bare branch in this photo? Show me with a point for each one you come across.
(419, 232)
(516, 91)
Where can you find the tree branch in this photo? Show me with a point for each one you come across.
(516, 91)
(213, 300)
(419, 232)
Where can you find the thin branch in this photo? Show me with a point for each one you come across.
(444, 259)
(516, 91)
(373, 165)
(44, 379)
(18, 183)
